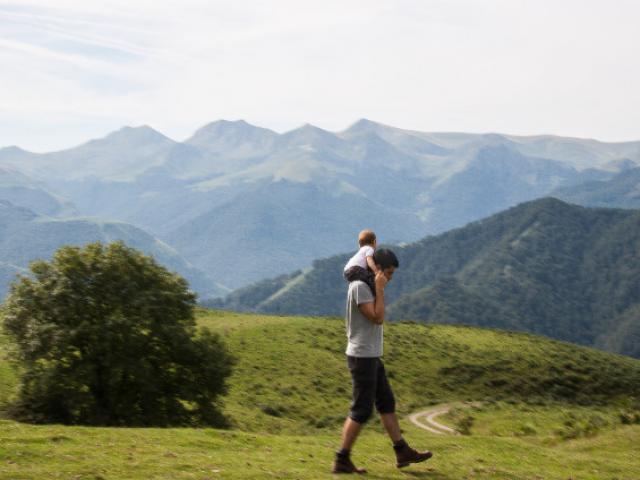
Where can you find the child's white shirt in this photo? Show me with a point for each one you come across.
(360, 258)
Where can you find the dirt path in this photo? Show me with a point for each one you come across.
(426, 418)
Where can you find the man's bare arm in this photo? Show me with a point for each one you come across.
(374, 311)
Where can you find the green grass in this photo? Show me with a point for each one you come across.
(292, 376)
(552, 423)
(36, 452)
(290, 392)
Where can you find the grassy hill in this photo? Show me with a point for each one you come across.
(290, 392)
(292, 374)
(545, 267)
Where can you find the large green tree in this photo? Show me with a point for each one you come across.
(105, 335)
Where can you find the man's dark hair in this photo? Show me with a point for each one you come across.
(385, 258)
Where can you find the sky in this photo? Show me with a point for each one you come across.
(73, 70)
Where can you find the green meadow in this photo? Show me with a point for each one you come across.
(550, 410)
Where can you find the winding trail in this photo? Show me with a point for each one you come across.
(425, 419)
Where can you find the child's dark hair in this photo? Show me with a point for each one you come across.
(366, 237)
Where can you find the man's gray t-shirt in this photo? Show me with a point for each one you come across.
(365, 337)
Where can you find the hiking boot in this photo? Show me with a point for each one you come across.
(345, 465)
(406, 455)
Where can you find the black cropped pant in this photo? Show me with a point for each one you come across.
(370, 386)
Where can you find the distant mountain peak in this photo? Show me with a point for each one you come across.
(222, 123)
(495, 137)
(140, 128)
(223, 126)
(309, 136)
(131, 137)
(308, 127)
(236, 122)
(308, 130)
(547, 202)
(364, 124)
(13, 150)
(142, 132)
(223, 134)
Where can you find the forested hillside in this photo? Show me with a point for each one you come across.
(545, 267)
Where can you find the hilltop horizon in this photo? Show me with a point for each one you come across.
(146, 128)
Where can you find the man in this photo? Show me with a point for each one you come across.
(364, 319)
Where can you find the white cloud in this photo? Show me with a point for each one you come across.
(78, 69)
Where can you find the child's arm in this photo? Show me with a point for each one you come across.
(372, 265)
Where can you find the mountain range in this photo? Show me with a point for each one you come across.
(242, 203)
(26, 236)
(545, 267)
(622, 190)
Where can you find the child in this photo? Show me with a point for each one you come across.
(361, 266)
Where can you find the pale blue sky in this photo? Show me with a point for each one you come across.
(74, 70)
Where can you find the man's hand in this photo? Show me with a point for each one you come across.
(381, 280)
(374, 311)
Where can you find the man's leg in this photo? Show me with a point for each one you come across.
(342, 462)
(391, 425)
(385, 404)
(364, 384)
(350, 432)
